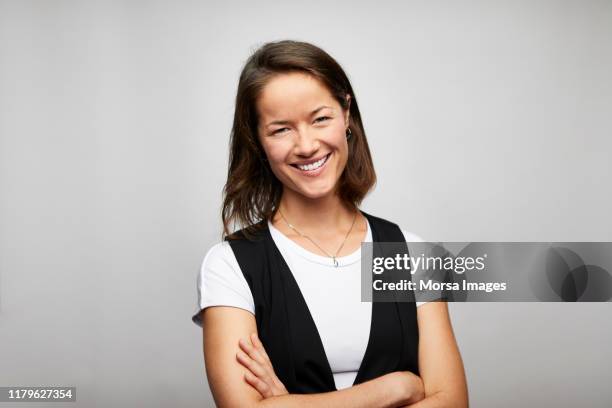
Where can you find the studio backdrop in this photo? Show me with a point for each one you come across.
(487, 121)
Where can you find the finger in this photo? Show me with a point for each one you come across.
(257, 343)
(252, 351)
(262, 370)
(260, 347)
(261, 355)
(252, 365)
(261, 387)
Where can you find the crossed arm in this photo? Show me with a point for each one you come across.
(240, 374)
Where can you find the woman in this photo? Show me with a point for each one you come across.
(279, 300)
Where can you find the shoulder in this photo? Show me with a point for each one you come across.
(254, 233)
(220, 282)
(220, 253)
(379, 220)
(220, 264)
(409, 236)
(220, 270)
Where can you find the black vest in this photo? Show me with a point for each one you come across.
(287, 329)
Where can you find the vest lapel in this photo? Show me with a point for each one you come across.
(384, 351)
(316, 375)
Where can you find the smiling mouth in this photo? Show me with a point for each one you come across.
(313, 166)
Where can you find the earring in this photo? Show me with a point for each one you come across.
(348, 133)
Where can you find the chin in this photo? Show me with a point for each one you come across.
(316, 196)
(314, 193)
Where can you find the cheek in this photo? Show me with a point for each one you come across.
(335, 135)
(337, 139)
(276, 152)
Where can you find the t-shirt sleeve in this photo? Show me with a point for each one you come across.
(220, 282)
(410, 237)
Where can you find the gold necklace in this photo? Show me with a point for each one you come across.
(333, 257)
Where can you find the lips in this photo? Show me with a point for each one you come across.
(313, 168)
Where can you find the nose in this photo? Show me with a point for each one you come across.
(306, 144)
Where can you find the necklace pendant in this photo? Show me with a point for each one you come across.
(335, 261)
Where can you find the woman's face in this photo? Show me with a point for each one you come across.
(302, 129)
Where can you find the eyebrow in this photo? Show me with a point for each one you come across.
(285, 122)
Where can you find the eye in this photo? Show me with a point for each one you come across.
(322, 119)
(281, 130)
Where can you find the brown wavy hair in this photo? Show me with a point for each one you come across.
(252, 192)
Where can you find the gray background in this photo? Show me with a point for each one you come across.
(487, 121)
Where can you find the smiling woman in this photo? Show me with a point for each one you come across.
(280, 298)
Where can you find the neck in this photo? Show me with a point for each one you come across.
(320, 214)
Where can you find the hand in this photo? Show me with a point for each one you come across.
(261, 374)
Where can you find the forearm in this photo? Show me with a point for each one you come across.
(382, 392)
(440, 400)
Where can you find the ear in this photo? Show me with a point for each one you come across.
(348, 110)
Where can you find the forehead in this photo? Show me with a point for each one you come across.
(292, 94)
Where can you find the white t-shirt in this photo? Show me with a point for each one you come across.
(343, 321)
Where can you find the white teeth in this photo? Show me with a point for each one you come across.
(312, 166)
